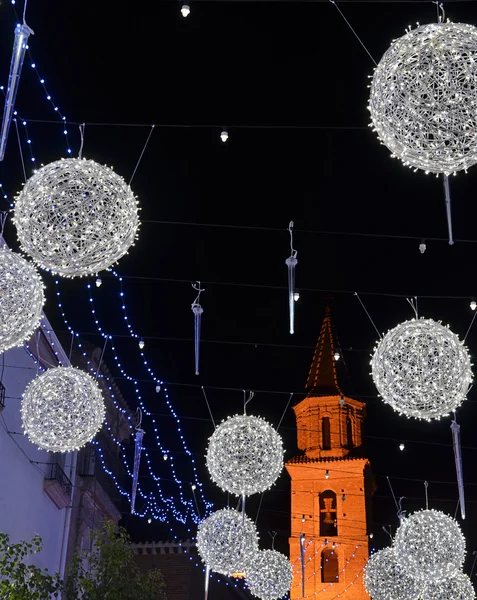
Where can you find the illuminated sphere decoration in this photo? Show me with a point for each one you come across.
(75, 217)
(226, 541)
(245, 455)
(386, 580)
(62, 409)
(458, 587)
(21, 299)
(269, 575)
(422, 369)
(423, 99)
(430, 546)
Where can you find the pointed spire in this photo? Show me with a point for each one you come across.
(322, 379)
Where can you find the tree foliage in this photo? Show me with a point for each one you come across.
(108, 570)
(22, 581)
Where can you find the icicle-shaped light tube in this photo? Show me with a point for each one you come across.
(197, 310)
(22, 33)
(455, 428)
(137, 462)
(291, 263)
(206, 583)
(302, 554)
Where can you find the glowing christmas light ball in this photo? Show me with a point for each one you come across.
(429, 546)
(226, 541)
(245, 455)
(21, 299)
(386, 580)
(422, 369)
(269, 575)
(423, 99)
(75, 217)
(62, 409)
(458, 587)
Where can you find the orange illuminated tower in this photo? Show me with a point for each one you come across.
(331, 485)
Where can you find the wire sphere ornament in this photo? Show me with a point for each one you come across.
(244, 455)
(422, 369)
(269, 575)
(423, 99)
(226, 541)
(21, 299)
(458, 587)
(430, 546)
(384, 579)
(62, 409)
(75, 217)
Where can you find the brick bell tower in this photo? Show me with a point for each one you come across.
(331, 485)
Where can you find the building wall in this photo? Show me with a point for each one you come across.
(346, 478)
(26, 508)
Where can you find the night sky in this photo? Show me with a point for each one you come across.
(289, 81)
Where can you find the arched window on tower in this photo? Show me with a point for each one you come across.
(329, 566)
(328, 516)
(325, 433)
(349, 432)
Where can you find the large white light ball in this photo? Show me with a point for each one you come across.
(62, 409)
(430, 546)
(245, 455)
(75, 217)
(269, 575)
(226, 541)
(423, 99)
(386, 580)
(422, 369)
(21, 299)
(458, 587)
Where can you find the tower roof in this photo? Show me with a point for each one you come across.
(322, 379)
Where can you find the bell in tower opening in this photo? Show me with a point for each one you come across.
(328, 519)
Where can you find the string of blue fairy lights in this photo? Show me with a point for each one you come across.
(167, 454)
(151, 505)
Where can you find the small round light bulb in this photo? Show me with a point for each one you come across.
(401, 447)
(185, 10)
(337, 355)
(98, 282)
(141, 344)
(296, 296)
(224, 136)
(473, 304)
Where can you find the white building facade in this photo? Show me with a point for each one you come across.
(36, 487)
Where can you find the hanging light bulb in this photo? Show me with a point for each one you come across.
(149, 520)
(193, 487)
(401, 447)
(165, 457)
(327, 474)
(185, 10)
(296, 295)
(98, 282)
(141, 344)
(158, 389)
(422, 247)
(224, 136)
(337, 355)
(473, 304)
